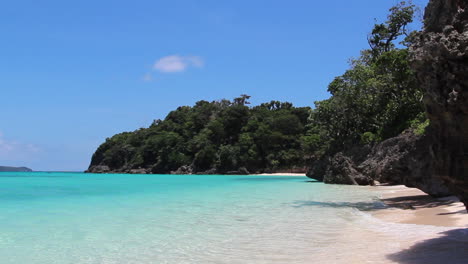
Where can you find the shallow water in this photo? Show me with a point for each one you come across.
(115, 218)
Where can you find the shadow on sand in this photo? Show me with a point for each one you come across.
(363, 206)
(405, 202)
(409, 202)
(451, 247)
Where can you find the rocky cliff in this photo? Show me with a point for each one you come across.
(404, 160)
(400, 160)
(440, 59)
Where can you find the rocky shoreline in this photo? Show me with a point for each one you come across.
(400, 160)
(436, 163)
(189, 170)
(439, 58)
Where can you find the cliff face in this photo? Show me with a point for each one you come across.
(404, 160)
(400, 160)
(440, 59)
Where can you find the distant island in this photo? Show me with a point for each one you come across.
(14, 169)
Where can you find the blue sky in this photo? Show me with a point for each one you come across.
(75, 72)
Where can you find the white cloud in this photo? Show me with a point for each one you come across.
(176, 63)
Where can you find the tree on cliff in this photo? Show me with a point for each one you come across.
(384, 35)
(378, 97)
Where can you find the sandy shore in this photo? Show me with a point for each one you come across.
(445, 221)
(412, 206)
(412, 228)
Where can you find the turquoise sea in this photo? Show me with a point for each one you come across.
(116, 218)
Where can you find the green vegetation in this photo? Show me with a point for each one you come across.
(420, 124)
(377, 98)
(220, 135)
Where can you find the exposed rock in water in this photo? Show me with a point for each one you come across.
(138, 171)
(99, 169)
(183, 170)
(399, 160)
(440, 59)
(318, 168)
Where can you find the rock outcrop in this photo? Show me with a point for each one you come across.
(343, 170)
(400, 160)
(186, 169)
(440, 59)
(318, 168)
(99, 169)
(138, 171)
(404, 160)
(183, 170)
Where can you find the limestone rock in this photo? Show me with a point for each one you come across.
(440, 59)
(183, 170)
(342, 170)
(99, 169)
(138, 171)
(404, 159)
(318, 168)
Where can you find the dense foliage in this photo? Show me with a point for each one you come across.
(377, 98)
(220, 135)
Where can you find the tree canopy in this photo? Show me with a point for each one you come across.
(221, 135)
(377, 97)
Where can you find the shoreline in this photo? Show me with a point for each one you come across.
(280, 174)
(440, 226)
(412, 206)
(405, 205)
